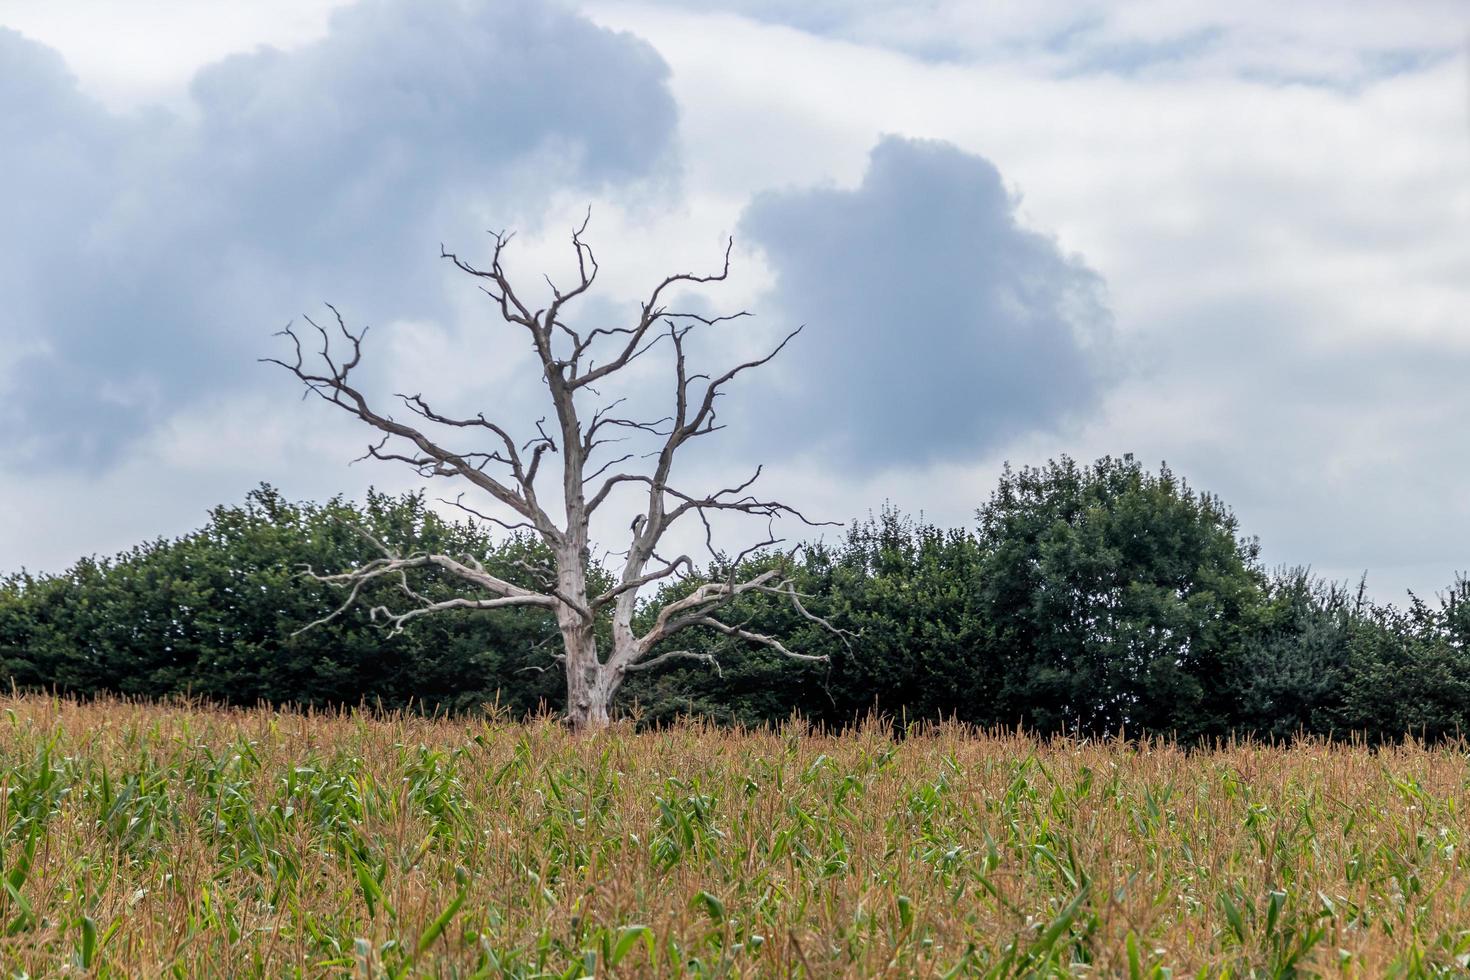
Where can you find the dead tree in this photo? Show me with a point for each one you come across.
(506, 470)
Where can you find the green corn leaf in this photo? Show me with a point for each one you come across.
(441, 922)
(712, 906)
(1059, 925)
(89, 941)
(1233, 917)
(628, 937)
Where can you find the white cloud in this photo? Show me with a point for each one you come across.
(141, 54)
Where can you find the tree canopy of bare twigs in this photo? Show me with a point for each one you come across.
(494, 463)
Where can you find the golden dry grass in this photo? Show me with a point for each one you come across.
(181, 840)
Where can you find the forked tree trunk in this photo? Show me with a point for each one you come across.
(590, 685)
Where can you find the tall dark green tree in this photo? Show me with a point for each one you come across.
(1114, 598)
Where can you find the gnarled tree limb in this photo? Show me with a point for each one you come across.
(506, 470)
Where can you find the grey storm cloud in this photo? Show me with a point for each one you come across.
(146, 257)
(940, 326)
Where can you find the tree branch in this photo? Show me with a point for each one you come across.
(664, 658)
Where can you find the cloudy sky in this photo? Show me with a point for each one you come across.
(1235, 237)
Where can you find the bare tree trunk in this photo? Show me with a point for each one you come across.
(590, 684)
(589, 696)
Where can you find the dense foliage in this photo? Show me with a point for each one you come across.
(1086, 600)
(216, 614)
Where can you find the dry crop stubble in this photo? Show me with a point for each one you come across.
(188, 840)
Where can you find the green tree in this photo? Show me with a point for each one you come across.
(902, 591)
(1409, 670)
(217, 613)
(1114, 598)
(1291, 674)
(906, 589)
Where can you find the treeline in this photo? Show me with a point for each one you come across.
(1086, 599)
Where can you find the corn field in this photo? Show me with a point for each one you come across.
(185, 840)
